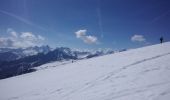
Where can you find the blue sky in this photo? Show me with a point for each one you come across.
(84, 24)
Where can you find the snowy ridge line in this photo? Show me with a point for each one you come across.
(110, 74)
(135, 63)
(130, 65)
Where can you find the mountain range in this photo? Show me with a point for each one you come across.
(19, 61)
(9, 54)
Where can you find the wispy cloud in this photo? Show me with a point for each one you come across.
(81, 34)
(160, 16)
(99, 15)
(138, 38)
(26, 21)
(21, 40)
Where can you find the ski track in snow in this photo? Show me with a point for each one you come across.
(144, 76)
(131, 65)
(127, 91)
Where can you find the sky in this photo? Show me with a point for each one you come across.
(84, 24)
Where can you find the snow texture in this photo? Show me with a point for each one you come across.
(136, 74)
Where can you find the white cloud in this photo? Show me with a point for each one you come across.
(12, 32)
(81, 34)
(138, 38)
(90, 39)
(21, 40)
(28, 35)
(5, 42)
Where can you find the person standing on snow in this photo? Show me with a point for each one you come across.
(161, 39)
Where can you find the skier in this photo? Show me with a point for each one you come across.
(161, 39)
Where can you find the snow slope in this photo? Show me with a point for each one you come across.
(137, 74)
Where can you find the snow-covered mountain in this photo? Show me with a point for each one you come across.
(92, 53)
(36, 56)
(136, 74)
(25, 65)
(9, 54)
(35, 50)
